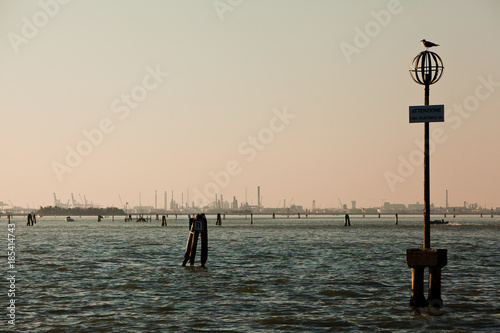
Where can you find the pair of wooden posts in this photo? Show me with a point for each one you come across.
(31, 219)
(197, 225)
(347, 220)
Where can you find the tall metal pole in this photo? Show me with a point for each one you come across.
(427, 181)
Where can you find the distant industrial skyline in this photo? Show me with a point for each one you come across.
(308, 100)
(164, 201)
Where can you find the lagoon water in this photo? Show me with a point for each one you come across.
(287, 274)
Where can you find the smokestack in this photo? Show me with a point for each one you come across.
(258, 197)
(446, 200)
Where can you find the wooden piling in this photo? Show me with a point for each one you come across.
(194, 245)
(274, 216)
(163, 221)
(251, 218)
(218, 221)
(347, 220)
(298, 214)
(197, 226)
(189, 245)
(204, 243)
(30, 220)
(397, 219)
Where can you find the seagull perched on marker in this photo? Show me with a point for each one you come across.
(428, 44)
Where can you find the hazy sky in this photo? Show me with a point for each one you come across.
(306, 99)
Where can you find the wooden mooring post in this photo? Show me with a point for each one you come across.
(163, 221)
(347, 220)
(397, 219)
(197, 225)
(219, 220)
(30, 220)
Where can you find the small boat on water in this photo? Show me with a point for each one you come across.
(439, 222)
(69, 219)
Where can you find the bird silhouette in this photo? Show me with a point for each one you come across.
(428, 44)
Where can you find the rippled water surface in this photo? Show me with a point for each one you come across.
(284, 274)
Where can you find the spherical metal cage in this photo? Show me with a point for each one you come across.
(426, 68)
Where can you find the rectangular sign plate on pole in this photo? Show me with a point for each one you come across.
(426, 113)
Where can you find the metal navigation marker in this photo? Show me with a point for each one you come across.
(426, 69)
(426, 113)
